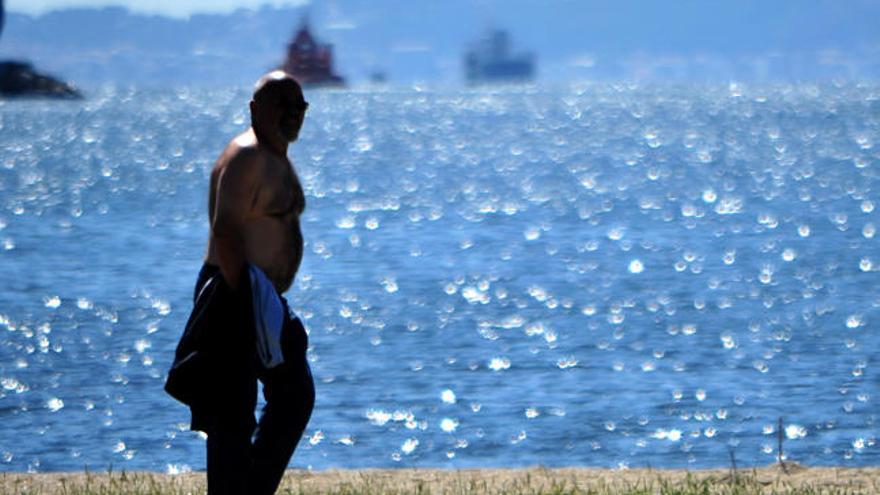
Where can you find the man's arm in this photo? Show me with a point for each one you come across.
(237, 190)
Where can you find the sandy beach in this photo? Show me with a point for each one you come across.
(770, 479)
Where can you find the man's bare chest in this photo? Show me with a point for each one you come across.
(280, 189)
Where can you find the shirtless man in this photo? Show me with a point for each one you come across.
(254, 205)
(256, 199)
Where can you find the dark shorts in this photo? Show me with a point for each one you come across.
(241, 366)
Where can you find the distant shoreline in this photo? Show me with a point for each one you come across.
(794, 479)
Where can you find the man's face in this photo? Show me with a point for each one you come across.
(291, 111)
(281, 113)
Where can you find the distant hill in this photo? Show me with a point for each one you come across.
(410, 41)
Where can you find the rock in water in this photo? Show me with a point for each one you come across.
(19, 79)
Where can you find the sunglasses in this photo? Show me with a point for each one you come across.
(287, 104)
(302, 107)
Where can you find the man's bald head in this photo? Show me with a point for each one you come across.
(277, 83)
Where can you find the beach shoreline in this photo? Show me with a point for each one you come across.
(769, 479)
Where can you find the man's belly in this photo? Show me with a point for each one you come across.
(275, 248)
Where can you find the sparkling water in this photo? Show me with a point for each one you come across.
(602, 275)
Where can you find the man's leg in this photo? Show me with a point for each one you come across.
(229, 458)
(230, 454)
(290, 397)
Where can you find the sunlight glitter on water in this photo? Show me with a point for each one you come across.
(476, 264)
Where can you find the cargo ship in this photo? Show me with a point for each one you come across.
(490, 60)
(309, 61)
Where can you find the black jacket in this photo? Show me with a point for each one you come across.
(214, 360)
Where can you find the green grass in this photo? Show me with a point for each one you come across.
(534, 481)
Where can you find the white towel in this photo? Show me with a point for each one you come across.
(268, 318)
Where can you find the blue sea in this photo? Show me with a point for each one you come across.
(611, 275)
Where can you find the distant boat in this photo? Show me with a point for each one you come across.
(489, 60)
(378, 77)
(310, 62)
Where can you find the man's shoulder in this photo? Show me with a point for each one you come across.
(244, 155)
(243, 147)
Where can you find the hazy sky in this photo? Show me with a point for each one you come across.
(179, 8)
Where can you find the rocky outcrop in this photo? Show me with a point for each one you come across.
(19, 79)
